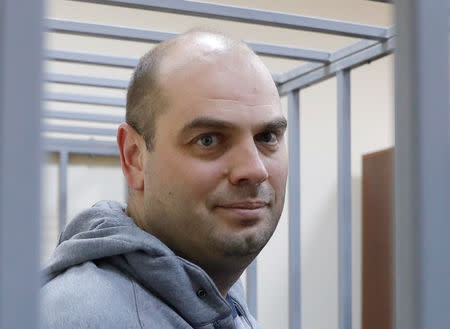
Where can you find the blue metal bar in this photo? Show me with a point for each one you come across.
(344, 200)
(79, 130)
(294, 210)
(253, 16)
(104, 118)
(89, 58)
(310, 74)
(339, 54)
(97, 59)
(21, 31)
(86, 81)
(134, 34)
(79, 146)
(252, 288)
(85, 99)
(62, 189)
(422, 166)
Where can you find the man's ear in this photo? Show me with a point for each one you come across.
(132, 148)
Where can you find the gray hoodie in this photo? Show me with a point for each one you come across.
(108, 273)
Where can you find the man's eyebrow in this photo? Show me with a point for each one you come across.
(206, 122)
(211, 123)
(277, 124)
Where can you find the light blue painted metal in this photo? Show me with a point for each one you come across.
(62, 189)
(110, 31)
(79, 130)
(319, 72)
(134, 34)
(105, 118)
(89, 58)
(339, 54)
(422, 166)
(86, 81)
(252, 288)
(79, 146)
(344, 200)
(97, 59)
(294, 210)
(254, 16)
(85, 99)
(20, 161)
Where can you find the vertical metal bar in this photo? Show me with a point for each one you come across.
(20, 161)
(294, 210)
(252, 288)
(62, 187)
(344, 200)
(422, 166)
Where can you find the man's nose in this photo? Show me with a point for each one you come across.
(246, 166)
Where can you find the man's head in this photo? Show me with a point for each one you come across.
(209, 178)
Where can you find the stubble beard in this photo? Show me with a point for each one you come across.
(242, 245)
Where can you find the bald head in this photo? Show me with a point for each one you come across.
(183, 56)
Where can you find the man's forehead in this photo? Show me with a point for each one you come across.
(193, 51)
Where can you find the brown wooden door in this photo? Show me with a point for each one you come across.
(377, 244)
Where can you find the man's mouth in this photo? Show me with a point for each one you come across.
(245, 205)
(244, 210)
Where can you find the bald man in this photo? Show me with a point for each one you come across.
(204, 156)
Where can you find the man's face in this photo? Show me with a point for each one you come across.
(215, 179)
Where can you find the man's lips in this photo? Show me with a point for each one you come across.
(250, 205)
(246, 210)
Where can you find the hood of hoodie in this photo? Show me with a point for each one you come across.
(106, 232)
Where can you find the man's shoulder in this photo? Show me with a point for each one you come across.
(89, 296)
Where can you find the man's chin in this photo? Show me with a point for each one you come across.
(246, 243)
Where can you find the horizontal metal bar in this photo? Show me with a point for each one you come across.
(322, 72)
(355, 47)
(254, 16)
(86, 81)
(78, 130)
(290, 52)
(85, 99)
(341, 53)
(89, 58)
(83, 116)
(93, 147)
(110, 31)
(97, 59)
(134, 34)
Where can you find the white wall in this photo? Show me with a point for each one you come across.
(95, 178)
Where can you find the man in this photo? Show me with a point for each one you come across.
(204, 156)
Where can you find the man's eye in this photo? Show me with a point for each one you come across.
(268, 138)
(207, 140)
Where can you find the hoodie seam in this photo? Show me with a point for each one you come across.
(136, 303)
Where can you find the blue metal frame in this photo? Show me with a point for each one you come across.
(20, 159)
(294, 211)
(344, 200)
(422, 171)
